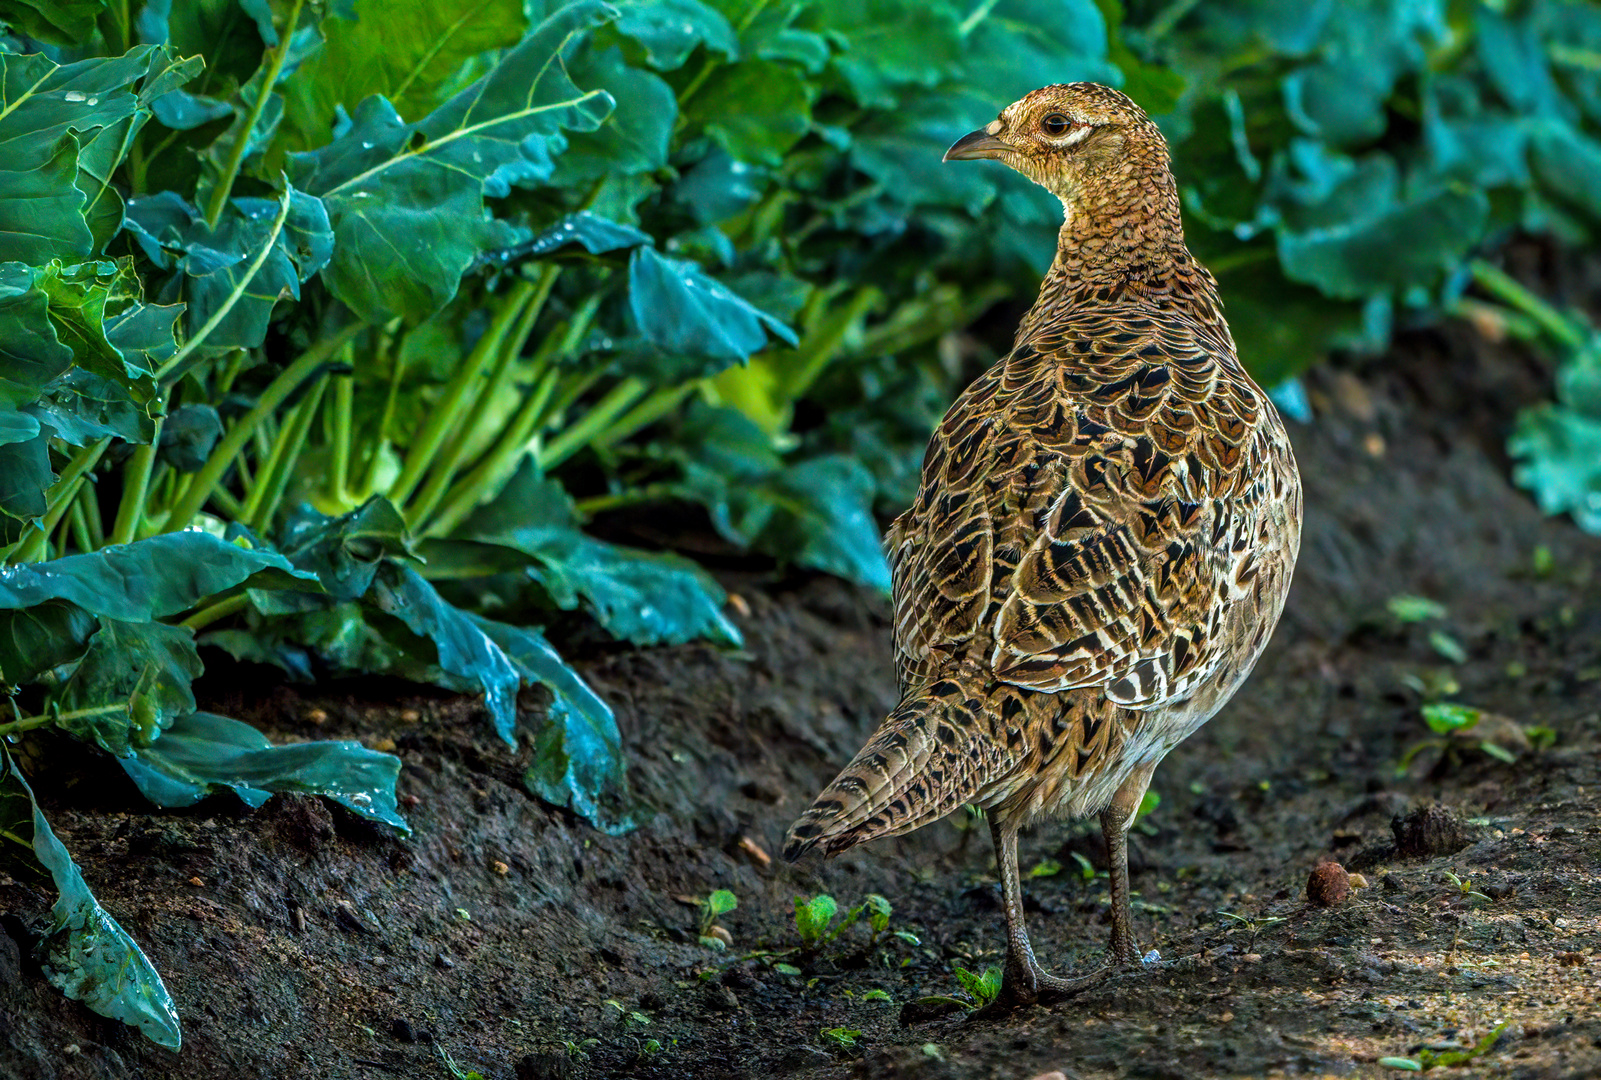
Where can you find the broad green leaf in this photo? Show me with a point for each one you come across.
(79, 119)
(465, 651)
(60, 22)
(17, 427)
(669, 30)
(756, 110)
(407, 50)
(1411, 609)
(595, 234)
(36, 639)
(25, 476)
(41, 211)
(344, 552)
(406, 200)
(1568, 163)
(642, 597)
(1406, 244)
(31, 355)
(201, 753)
(681, 310)
(132, 683)
(1558, 455)
(634, 138)
(214, 264)
(881, 56)
(85, 953)
(187, 436)
(578, 756)
(147, 579)
(826, 520)
(721, 902)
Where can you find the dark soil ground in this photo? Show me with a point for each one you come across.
(517, 942)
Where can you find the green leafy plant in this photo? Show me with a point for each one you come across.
(1252, 924)
(1458, 726)
(981, 989)
(716, 905)
(844, 1038)
(1464, 887)
(814, 921)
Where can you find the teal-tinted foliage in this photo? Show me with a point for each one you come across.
(330, 325)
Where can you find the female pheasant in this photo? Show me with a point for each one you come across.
(1103, 539)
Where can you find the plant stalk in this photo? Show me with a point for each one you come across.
(65, 491)
(222, 455)
(135, 488)
(446, 412)
(236, 156)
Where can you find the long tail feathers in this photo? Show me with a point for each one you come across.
(935, 752)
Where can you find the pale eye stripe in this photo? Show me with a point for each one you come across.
(1077, 135)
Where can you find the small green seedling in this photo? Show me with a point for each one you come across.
(1465, 887)
(984, 988)
(842, 1037)
(717, 904)
(649, 1049)
(878, 995)
(1447, 646)
(1046, 868)
(1252, 925)
(981, 989)
(579, 1051)
(1451, 722)
(455, 1071)
(1086, 869)
(629, 1016)
(1414, 609)
(812, 918)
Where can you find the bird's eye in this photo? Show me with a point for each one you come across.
(1055, 124)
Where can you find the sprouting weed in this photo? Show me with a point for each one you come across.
(842, 1037)
(1253, 925)
(1465, 887)
(719, 903)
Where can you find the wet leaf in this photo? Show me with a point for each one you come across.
(669, 30)
(85, 953)
(578, 757)
(680, 309)
(647, 598)
(132, 683)
(202, 753)
(407, 200)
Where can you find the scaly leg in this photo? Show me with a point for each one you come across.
(1115, 822)
(1024, 982)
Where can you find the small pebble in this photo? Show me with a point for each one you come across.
(316, 716)
(1358, 881)
(409, 716)
(1328, 885)
(500, 868)
(721, 934)
(754, 850)
(197, 882)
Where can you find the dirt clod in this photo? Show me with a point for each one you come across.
(1429, 831)
(719, 998)
(546, 1065)
(1328, 885)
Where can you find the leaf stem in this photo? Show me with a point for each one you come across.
(273, 479)
(446, 412)
(220, 610)
(343, 408)
(611, 405)
(1568, 331)
(449, 460)
(64, 491)
(236, 155)
(222, 455)
(135, 487)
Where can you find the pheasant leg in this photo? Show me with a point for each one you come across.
(1115, 822)
(1023, 981)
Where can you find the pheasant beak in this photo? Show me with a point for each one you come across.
(978, 144)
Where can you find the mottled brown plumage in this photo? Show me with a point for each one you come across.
(1104, 536)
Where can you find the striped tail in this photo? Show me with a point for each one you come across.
(935, 752)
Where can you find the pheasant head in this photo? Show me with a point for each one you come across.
(1073, 139)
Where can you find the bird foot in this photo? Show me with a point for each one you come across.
(1038, 987)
